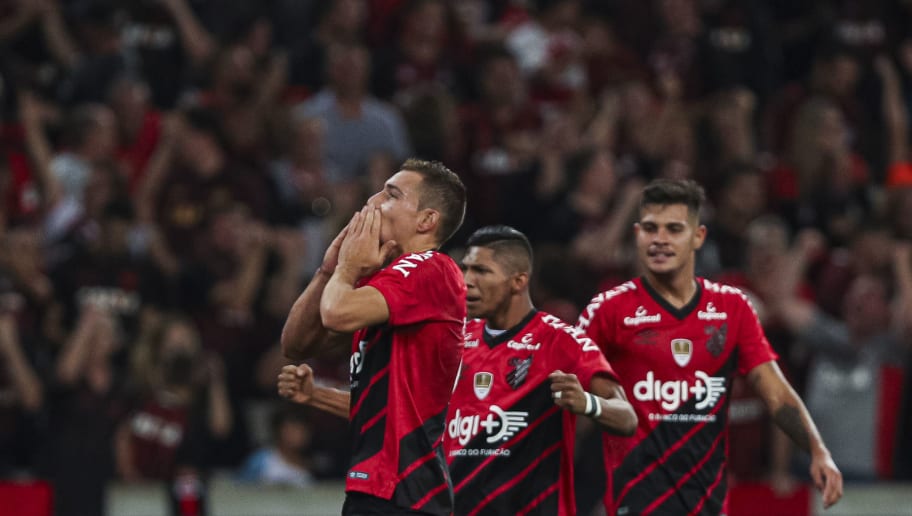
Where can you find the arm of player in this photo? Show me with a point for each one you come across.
(607, 404)
(344, 308)
(296, 383)
(792, 417)
(304, 334)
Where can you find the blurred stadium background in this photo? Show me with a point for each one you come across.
(172, 170)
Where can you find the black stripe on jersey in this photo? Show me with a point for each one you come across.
(424, 466)
(689, 494)
(546, 506)
(667, 435)
(477, 477)
(367, 442)
(520, 493)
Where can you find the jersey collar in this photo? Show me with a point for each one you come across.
(678, 313)
(493, 341)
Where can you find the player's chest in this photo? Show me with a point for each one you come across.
(691, 343)
(505, 374)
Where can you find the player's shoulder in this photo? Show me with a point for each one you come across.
(722, 295)
(474, 328)
(721, 290)
(559, 334)
(611, 300)
(411, 265)
(618, 294)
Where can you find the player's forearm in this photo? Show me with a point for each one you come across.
(336, 308)
(331, 400)
(795, 420)
(617, 416)
(304, 331)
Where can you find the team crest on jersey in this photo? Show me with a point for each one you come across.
(681, 350)
(520, 370)
(482, 384)
(715, 344)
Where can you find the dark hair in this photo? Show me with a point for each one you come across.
(442, 190)
(503, 238)
(664, 192)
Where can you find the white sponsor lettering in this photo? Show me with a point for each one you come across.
(471, 343)
(705, 389)
(711, 314)
(520, 346)
(578, 334)
(641, 317)
(480, 452)
(585, 318)
(356, 362)
(498, 424)
(411, 261)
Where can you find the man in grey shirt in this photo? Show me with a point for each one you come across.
(846, 376)
(358, 126)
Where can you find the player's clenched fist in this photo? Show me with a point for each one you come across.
(567, 392)
(296, 383)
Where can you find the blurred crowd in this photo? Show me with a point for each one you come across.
(172, 171)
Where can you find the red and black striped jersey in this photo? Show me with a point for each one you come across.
(402, 375)
(677, 366)
(510, 448)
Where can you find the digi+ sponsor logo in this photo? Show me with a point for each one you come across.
(498, 424)
(705, 389)
(642, 317)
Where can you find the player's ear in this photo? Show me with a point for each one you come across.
(519, 281)
(699, 236)
(428, 220)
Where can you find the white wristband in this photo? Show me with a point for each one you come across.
(588, 410)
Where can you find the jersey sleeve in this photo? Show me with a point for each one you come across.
(753, 347)
(424, 293)
(578, 354)
(596, 322)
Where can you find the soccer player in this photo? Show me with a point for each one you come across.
(511, 422)
(525, 376)
(407, 317)
(677, 342)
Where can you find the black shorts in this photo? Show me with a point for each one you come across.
(363, 504)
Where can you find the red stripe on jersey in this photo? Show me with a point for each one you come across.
(370, 422)
(538, 499)
(671, 449)
(709, 491)
(377, 377)
(658, 501)
(516, 439)
(548, 451)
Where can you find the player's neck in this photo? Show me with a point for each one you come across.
(418, 244)
(513, 315)
(677, 289)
